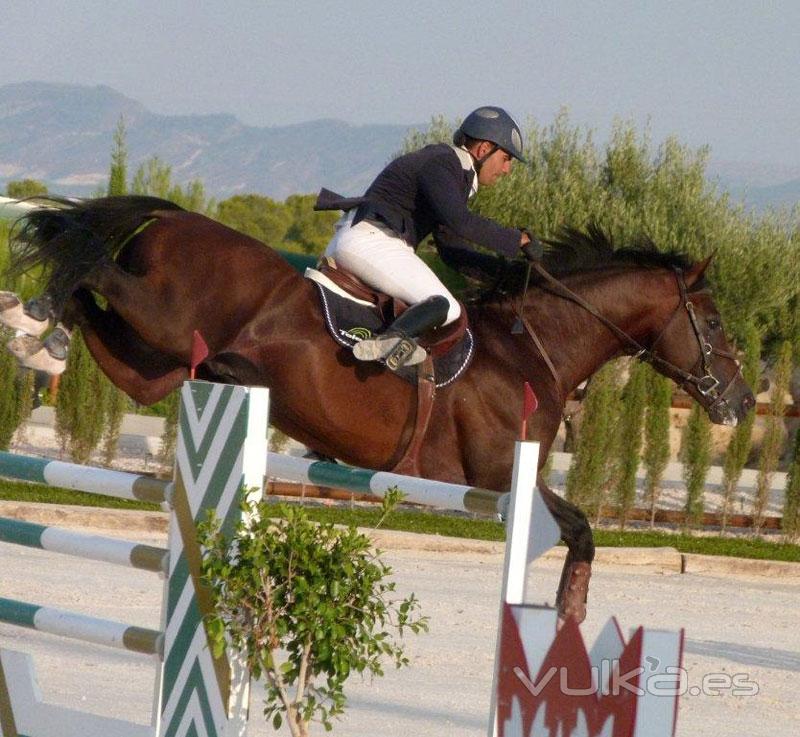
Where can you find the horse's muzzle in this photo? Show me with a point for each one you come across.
(729, 410)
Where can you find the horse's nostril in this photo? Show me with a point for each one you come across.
(749, 401)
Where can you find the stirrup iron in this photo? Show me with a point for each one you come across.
(395, 350)
(405, 353)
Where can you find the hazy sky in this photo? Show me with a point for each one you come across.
(718, 72)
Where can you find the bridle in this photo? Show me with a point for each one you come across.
(707, 385)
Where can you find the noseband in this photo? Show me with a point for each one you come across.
(707, 385)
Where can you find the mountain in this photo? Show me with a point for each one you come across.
(63, 134)
(759, 185)
(785, 195)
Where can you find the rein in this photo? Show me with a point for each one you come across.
(707, 385)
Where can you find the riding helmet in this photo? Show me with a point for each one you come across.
(489, 123)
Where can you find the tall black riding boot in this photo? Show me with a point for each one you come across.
(397, 346)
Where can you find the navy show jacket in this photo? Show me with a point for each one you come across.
(423, 192)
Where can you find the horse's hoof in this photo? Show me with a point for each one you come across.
(31, 354)
(24, 346)
(43, 361)
(574, 592)
(13, 315)
(8, 300)
(57, 344)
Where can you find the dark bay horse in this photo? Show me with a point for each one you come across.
(263, 325)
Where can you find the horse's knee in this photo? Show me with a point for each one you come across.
(575, 529)
(577, 534)
(583, 546)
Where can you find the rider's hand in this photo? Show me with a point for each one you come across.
(531, 247)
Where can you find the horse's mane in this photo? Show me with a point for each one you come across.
(572, 251)
(576, 250)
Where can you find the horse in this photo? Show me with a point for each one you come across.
(163, 273)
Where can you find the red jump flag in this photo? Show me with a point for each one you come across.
(199, 352)
(529, 405)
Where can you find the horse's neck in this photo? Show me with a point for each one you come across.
(577, 342)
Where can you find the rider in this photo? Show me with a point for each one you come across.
(416, 194)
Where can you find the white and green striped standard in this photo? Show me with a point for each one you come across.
(220, 452)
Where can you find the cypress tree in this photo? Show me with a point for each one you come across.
(630, 441)
(116, 401)
(8, 371)
(656, 437)
(118, 179)
(592, 462)
(738, 449)
(26, 380)
(166, 452)
(696, 458)
(16, 385)
(81, 403)
(13, 385)
(791, 502)
(773, 436)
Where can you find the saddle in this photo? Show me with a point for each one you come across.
(354, 311)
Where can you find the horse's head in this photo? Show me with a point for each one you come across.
(693, 351)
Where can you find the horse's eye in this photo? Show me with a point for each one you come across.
(713, 323)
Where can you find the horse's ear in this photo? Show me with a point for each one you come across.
(698, 269)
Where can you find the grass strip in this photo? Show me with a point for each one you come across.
(430, 523)
(20, 491)
(478, 529)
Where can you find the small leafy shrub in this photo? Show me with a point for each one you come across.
(306, 605)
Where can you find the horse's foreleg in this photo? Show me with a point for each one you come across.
(577, 534)
(148, 309)
(143, 373)
(32, 318)
(48, 355)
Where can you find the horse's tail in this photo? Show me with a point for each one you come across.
(68, 239)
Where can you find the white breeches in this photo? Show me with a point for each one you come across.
(380, 258)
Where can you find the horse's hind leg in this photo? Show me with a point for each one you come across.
(577, 534)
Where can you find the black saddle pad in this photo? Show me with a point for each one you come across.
(349, 322)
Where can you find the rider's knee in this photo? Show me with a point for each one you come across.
(453, 309)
